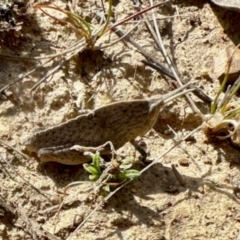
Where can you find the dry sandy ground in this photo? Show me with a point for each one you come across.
(155, 206)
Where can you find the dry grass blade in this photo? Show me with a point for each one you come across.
(50, 73)
(156, 64)
(151, 60)
(169, 62)
(23, 76)
(135, 15)
(14, 149)
(196, 90)
(141, 50)
(75, 21)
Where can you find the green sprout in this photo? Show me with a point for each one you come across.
(94, 168)
(122, 173)
(126, 172)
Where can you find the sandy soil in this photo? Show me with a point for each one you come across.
(156, 205)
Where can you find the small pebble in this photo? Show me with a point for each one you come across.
(183, 162)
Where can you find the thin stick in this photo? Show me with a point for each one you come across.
(135, 15)
(120, 38)
(141, 50)
(14, 149)
(52, 71)
(197, 91)
(74, 47)
(157, 65)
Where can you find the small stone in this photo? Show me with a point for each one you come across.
(207, 161)
(183, 162)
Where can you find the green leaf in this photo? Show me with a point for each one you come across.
(106, 188)
(126, 164)
(93, 177)
(96, 162)
(130, 174)
(91, 169)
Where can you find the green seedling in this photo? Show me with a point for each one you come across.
(126, 172)
(94, 168)
(121, 173)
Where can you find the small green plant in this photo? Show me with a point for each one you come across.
(79, 24)
(120, 173)
(94, 168)
(126, 172)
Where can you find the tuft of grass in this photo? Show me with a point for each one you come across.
(78, 23)
(223, 121)
(223, 106)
